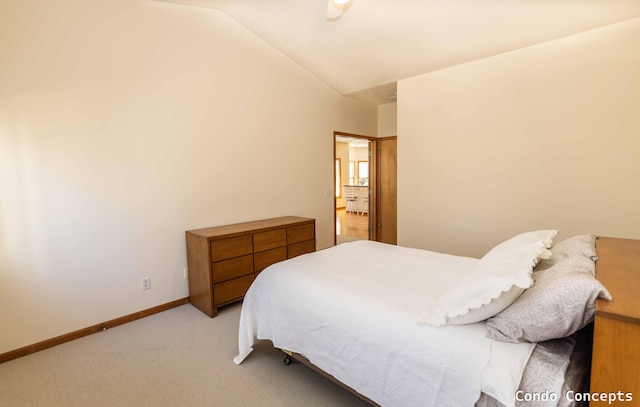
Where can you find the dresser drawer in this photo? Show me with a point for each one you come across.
(228, 269)
(269, 240)
(297, 249)
(300, 233)
(264, 259)
(222, 249)
(231, 290)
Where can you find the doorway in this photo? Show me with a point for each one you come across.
(353, 188)
(365, 188)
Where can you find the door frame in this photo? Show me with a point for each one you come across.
(373, 165)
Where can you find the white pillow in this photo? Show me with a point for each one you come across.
(494, 283)
(502, 375)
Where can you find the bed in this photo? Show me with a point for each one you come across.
(407, 327)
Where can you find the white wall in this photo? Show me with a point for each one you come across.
(357, 154)
(124, 123)
(342, 152)
(542, 137)
(388, 120)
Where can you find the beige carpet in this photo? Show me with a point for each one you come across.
(178, 357)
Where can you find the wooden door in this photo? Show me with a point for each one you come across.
(387, 213)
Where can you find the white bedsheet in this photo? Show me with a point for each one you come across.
(352, 311)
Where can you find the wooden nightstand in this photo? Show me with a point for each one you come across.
(616, 355)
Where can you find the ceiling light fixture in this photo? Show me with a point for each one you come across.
(335, 8)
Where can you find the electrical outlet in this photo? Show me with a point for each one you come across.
(186, 273)
(145, 283)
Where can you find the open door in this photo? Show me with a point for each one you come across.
(386, 182)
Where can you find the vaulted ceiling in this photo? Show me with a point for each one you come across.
(378, 42)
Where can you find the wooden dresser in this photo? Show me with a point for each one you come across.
(616, 339)
(224, 260)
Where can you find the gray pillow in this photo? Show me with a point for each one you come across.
(580, 245)
(561, 301)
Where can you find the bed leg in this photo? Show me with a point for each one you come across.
(287, 360)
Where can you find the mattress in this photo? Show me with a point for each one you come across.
(352, 311)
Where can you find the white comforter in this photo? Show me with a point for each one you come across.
(352, 311)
